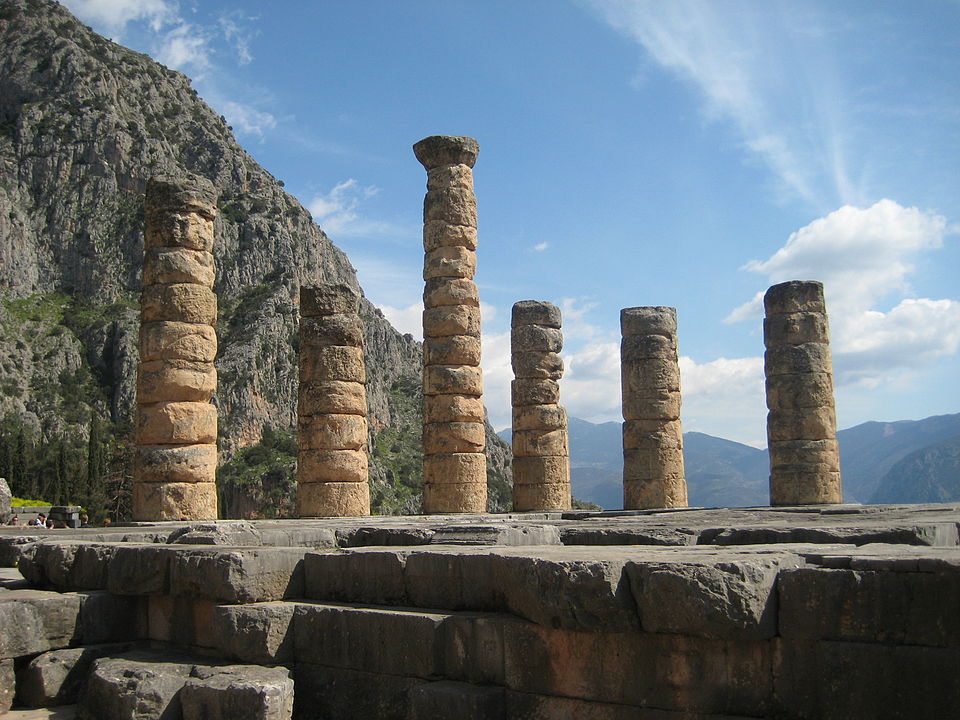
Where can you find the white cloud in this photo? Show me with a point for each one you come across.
(185, 48)
(231, 25)
(337, 212)
(540, 247)
(725, 398)
(738, 61)
(863, 257)
(497, 374)
(247, 119)
(407, 319)
(590, 388)
(114, 15)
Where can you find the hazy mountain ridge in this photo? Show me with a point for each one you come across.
(84, 123)
(909, 461)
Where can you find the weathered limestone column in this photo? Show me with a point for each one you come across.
(653, 475)
(176, 459)
(332, 405)
(801, 424)
(541, 453)
(454, 464)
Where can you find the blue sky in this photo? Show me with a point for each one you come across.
(633, 152)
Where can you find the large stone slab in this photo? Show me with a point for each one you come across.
(237, 575)
(446, 700)
(327, 692)
(35, 621)
(140, 685)
(59, 676)
(238, 692)
(259, 633)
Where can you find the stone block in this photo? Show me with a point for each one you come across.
(237, 575)
(238, 692)
(451, 320)
(453, 581)
(332, 362)
(339, 466)
(650, 378)
(109, 618)
(854, 681)
(458, 176)
(58, 677)
(652, 434)
(8, 684)
(794, 296)
(539, 417)
(448, 700)
(649, 463)
(824, 454)
(438, 150)
(332, 432)
(817, 423)
(68, 566)
(332, 396)
(636, 349)
(538, 365)
(453, 408)
(182, 194)
(535, 443)
(175, 381)
(660, 492)
(328, 692)
(192, 342)
(138, 685)
(536, 338)
(180, 302)
(442, 234)
(374, 577)
(391, 641)
(258, 633)
(169, 266)
(452, 350)
(802, 487)
(456, 206)
(176, 464)
(811, 357)
(341, 329)
(795, 329)
(893, 608)
(535, 312)
(445, 292)
(455, 468)
(446, 438)
(638, 408)
(537, 470)
(181, 621)
(183, 230)
(328, 299)
(651, 320)
(541, 496)
(175, 501)
(452, 379)
(176, 423)
(725, 598)
(532, 391)
(35, 621)
(793, 392)
(450, 497)
(450, 262)
(333, 499)
(140, 569)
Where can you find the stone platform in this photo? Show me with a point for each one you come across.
(839, 611)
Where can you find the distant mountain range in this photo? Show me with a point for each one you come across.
(909, 461)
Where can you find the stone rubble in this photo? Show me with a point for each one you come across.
(454, 464)
(541, 448)
(176, 425)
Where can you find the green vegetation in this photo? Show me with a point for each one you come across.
(261, 480)
(398, 451)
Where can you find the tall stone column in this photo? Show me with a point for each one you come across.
(454, 464)
(653, 475)
(176, 433)
(332, 405)
(801, 424)
(541, 453)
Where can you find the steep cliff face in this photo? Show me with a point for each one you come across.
(83, 123)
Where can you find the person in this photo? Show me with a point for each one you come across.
(84, 520)
(15, 520)
(41, 520)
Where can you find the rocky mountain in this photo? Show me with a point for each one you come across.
(900, 462)
(83, 123)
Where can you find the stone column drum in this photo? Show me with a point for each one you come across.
(332, 405)
(653, 475)
(801, 424)
(176, 433)
(541, 452)
(454, 438)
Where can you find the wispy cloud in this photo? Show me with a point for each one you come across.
(186, 48)
(236, 31)
(114, 15)
(541, 246)
(247, 119)
(762, 68)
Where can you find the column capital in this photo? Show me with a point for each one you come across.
(438, 150)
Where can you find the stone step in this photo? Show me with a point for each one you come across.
(64, 712)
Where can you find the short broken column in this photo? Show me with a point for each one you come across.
(801, 423)
(454, 439)
(332, 464)
(176, 433)
(653, 474)
(541, 456)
